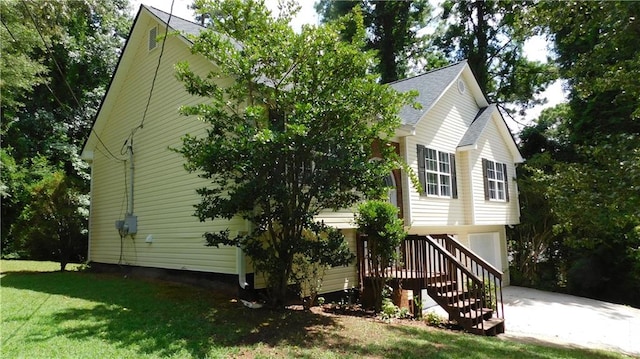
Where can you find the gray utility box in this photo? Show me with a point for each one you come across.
(128, 226)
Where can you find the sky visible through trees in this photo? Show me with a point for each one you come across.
(535, 48)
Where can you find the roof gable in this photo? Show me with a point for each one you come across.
(137, 36)
(480, 123)
(431, 86)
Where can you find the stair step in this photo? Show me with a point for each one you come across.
(492, 326)
(446, 285)
(484, 312)
(441, 284)
(453, 296)
(467, 305)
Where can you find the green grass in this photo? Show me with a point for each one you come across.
(33, 266)
(50, 314)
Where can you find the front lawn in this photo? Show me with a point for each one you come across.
(51, 314)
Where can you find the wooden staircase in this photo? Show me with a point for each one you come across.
(465, 285)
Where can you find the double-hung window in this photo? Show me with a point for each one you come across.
(437, 172)
(496, 184)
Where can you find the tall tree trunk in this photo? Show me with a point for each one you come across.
(478, 58)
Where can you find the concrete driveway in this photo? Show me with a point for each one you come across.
(567, 320)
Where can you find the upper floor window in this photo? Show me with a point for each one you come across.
(496, 184)
(437, 172)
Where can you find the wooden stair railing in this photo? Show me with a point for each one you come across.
(465, 285)
(470, 289)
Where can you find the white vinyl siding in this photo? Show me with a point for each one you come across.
(342, 278)
(491, 147)
(164, 192)
(440, 129)
(341, 219)
(336, 278)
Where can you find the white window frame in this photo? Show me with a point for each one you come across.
(496, 181)
(438, 173)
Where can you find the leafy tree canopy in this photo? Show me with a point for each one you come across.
(490, 35)
(57, 59)
(291, 135)
(596, 47)
(393, 31)
(584, 155)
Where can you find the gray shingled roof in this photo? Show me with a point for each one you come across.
(177, 23)
(430, 87)
(477, 126)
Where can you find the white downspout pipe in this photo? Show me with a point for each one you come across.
(241, 269)
(89, 231)
(241, 261)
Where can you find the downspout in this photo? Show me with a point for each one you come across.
(89, 231)
(242, 269)
(241, 261)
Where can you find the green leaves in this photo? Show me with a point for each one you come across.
(391, 26)
(596, 47)
(384, 231)
(292, 120)
(491, 35)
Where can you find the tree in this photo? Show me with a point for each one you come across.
(58, 57)
(77, 44)
(21, 71)
(538, 253)
(393, 27)
(291, 135)
(52, 225)
(597, 203)
(585, 154)
(596, 49)
(379, 221)
(490, 35)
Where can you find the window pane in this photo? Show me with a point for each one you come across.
(388, 181)
(432, 160)
(492, 190)
(445, 185)
(499, 173)
(500, 194)
(491, 172)
(444, 162)
(432, 183)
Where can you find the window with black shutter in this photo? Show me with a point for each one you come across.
(437, 172)
(496, 181)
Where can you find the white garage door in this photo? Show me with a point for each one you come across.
(487, 246)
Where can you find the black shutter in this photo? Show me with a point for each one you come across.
(421, 170)
(486, 180)
(454, 179)
(506, 182)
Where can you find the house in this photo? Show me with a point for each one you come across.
(142, 198)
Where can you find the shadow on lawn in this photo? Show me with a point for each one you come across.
(165, 319)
